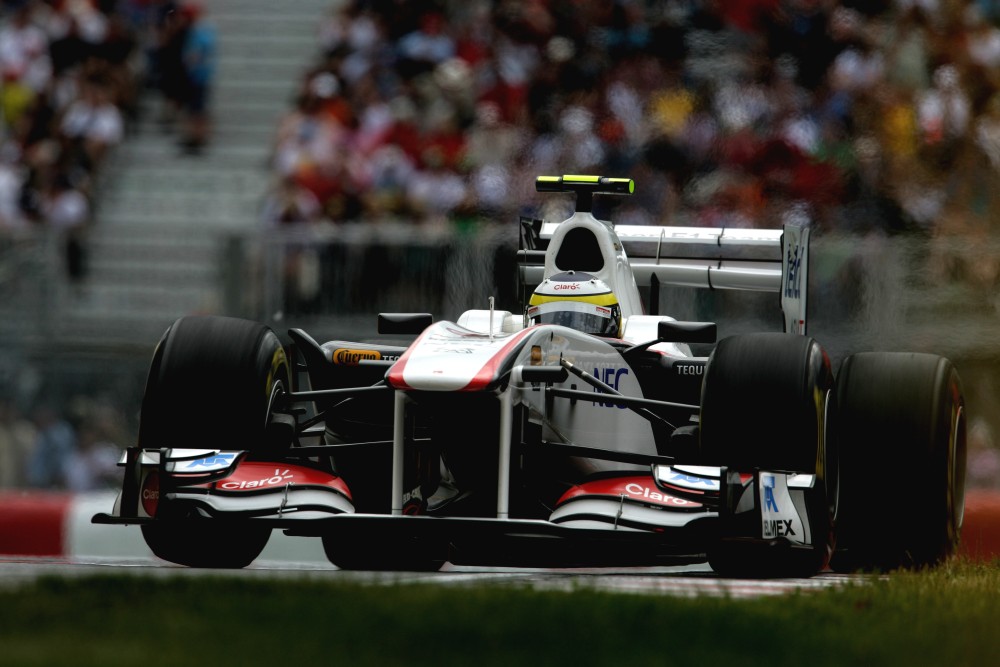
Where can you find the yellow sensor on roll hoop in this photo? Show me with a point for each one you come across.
(603, 185)
(585, 187)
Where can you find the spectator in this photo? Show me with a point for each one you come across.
(17, 436)
(92, 125)
(198, 54)
(11, 182)
(66, 210)
(291, 203)
(93, 465)
(422, 49)
(167, 56)
(54, 446)
(24, 49)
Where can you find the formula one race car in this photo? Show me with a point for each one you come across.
(580, 430)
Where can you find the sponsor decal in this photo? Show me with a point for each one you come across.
(277, 479)
(149, 494)
(778, 528)
(566, 286)
(413, 502)
(273, 374)
(639, 491)
(690, 369)
(779, 517)
(214, 462)
(793, 287)
(638, 488)
(263, 476)
(347, 357)
(770, 504)
(612, 377)
(680, 479)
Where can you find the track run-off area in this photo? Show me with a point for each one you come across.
(52, 535)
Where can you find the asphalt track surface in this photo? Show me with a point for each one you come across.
(682, 581)
(45, 534)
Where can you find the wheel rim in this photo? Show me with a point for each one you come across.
(956, 474)
(831, 471)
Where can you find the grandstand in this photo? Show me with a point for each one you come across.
(165, 219)
(162, 225)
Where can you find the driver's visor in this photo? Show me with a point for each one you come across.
(579, 315)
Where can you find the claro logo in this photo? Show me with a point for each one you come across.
(277, 479)
(150, 493)
(644, 492)
(348, 357)
(566, 286)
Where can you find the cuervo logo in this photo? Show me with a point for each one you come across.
(351, 357)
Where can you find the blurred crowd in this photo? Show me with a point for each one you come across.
(74, 448)
(71, 76)
(875, 114)
(72, 73)
(66, 85)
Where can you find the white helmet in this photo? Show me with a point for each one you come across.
(576, 300)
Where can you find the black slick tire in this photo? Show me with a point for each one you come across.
(902, 436)
(210, 385)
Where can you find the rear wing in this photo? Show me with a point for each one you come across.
(766, 260)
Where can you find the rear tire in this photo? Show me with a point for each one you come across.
(903, 451)
(210, 385)
(765, 403)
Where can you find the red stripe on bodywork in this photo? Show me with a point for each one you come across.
(395, 375)
(636, 487)
(488, 372)
(479, 381)
(264, 475)
(32, 523)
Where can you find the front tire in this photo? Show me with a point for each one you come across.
(766, 400)
(203, 543)
(902, 439)
(211, 385)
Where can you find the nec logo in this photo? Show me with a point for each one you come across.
(612, 377)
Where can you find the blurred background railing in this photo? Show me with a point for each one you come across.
(892, 293)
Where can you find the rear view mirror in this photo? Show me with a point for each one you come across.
(403, 323)
(686, 332)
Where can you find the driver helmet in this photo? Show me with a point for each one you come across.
(576, 300)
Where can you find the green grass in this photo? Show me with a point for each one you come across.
(950, 616)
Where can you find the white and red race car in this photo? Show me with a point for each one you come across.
(578, 430)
